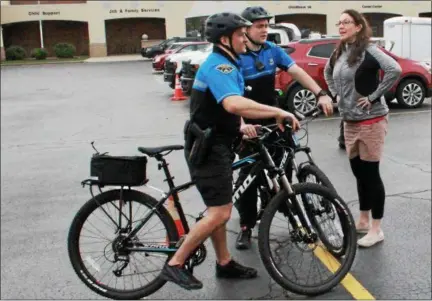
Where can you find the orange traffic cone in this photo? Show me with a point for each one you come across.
(178, 92)
(174, 214)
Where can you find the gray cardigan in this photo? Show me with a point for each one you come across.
(360, 80)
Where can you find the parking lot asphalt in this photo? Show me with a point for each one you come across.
(49, 116)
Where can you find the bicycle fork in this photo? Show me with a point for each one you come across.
(301, 221)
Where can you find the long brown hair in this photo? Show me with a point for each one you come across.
(360, 43)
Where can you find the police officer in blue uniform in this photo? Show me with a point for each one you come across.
(259, 65)
(217, 104)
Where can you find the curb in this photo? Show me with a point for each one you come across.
(41, 64)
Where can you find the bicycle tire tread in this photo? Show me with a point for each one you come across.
(80, 218)
(264, 250)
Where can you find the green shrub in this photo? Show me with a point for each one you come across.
(15, 53)
(39, 53)
(64, 50)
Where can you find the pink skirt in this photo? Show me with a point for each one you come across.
(365, 140)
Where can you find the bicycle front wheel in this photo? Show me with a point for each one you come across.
(93, 244)
(278, 237)
(320, 211)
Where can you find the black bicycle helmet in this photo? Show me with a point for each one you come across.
(255, 13)
(223, 24)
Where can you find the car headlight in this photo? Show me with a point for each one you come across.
(148, 50)
(157, 59)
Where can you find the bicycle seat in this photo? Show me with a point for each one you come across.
(152, 151)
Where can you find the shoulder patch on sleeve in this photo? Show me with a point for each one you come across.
(225, 68)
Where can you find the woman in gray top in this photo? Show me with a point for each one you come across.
(353, 77)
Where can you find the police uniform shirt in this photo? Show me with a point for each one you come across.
(259, 70)
(218, 77)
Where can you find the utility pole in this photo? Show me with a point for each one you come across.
(40, 26)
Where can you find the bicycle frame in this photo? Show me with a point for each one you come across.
(260, 161)
(173, 191)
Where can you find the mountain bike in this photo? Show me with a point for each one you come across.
(120, 239)
(286, 145)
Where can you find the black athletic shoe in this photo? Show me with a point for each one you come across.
(180, 276)
(244, 239)
(235, 270)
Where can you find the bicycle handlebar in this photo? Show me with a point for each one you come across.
(274, 127)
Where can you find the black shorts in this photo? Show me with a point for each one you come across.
(214, 177)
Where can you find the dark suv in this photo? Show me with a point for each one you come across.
(152, 51)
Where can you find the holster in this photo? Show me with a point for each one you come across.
(197, 142)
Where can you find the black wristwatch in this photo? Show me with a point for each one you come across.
(321, 93)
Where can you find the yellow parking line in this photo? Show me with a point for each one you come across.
(358, 291)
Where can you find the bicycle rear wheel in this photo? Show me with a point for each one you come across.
(293, 280)
(98, 263)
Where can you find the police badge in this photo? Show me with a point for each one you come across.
(225, 68)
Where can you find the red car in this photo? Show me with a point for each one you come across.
(159, 60)
(312, 54)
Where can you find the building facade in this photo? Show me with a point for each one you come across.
(101, 28)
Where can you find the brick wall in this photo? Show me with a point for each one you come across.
(314, 22)
(26, 34)
(123, 36)
(376, 22)
(72, 32)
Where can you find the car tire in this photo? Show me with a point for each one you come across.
(295, 98)
(410, 93)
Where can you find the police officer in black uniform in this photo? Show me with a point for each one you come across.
(217, 104)
(259, 65)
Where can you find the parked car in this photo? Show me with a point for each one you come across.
(173, 63)
(410, 90)
(152, 51)
(189, 70)
(182, 47)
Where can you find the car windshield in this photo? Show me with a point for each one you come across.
(202, 47)
(274, 38)
(174, 46)
(163, 43)
(206, 47)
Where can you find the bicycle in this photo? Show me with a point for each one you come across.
(127, 172)
(308, 171)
